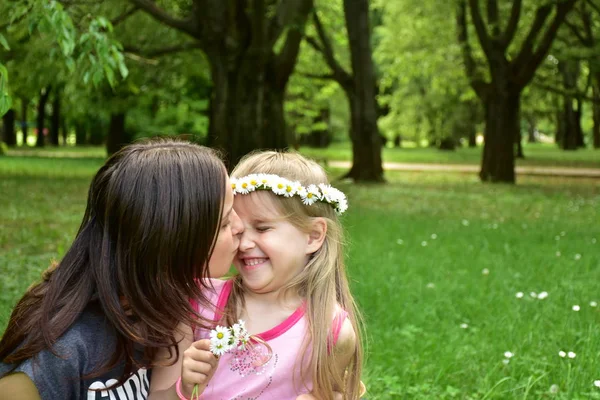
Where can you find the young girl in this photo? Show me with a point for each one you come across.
(291, 290)
(159, 215)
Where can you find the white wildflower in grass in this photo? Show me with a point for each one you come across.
(508, 354)
(524, 226)
(505, 361)
(533, 295)
(494, 226)
(556, 237)
(433, 236)
(554, 389)
(597, 383)
(563, 233)
(571, 354)
(593, 240)
(519, 295)
(542, 295)
(465, 222)
(562, 354)
(431, 285)
(485, 271)
(464, 326)
(400, 241)
(577, 257)
(576, 307)
(424, 243)
(593, 304)
(558, 254)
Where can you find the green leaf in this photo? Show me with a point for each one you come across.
(3, 42)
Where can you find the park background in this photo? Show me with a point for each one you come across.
(466, 135)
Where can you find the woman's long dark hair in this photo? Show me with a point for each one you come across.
(152, 217)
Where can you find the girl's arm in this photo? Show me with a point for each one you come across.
(195, 365)
(18, 386)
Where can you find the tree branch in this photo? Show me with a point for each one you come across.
(492, 15)
(526, 51)
(575, 30)
(526, 71)
(285, 14)
(285, 61)
(328, 77)
(513, 23)
(482, 35)
(463, 41)
(116, 21)
(564, 92)
(593, 5)
(163, 51)
(326, 49)
(162, 16)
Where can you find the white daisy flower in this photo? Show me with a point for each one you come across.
(291, 188)
(558, 254)
(519, 295)
(342, 206)
(400, 241)
(508, 354)
(562, 354)
(533, 294)
(542, 295)
(327, 192)
(576, 307)
(597, 383)
(506, 361)
(263, 180)
(253, 182)
(220, 335)
(433, 236)
(485, 271)
(243, 186)
(577, 256)
(465, 222)
(554, 388)
(593, 304)
(234, 185)
(571, 354)
(279, 186)
(464, 326)
(218, 349)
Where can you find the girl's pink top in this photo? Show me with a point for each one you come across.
(244, 375)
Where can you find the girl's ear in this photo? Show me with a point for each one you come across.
(317, 234)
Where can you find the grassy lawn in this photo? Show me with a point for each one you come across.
(436, 262)
(535, 155)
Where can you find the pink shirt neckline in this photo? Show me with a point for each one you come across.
(271, 333)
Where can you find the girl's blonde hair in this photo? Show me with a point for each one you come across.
(322, 282)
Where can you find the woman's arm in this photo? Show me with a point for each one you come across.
(18, 386)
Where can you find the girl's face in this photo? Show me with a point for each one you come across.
(228, 240)
(272, 251)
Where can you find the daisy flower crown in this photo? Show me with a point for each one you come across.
(284, 187)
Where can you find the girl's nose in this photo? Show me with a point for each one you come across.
(246, 243)
(237, 227)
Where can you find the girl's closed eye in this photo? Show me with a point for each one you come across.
(263, 228)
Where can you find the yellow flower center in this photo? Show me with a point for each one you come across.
(310, 195)
(253, 182)
(220, 335)
(288, 189)
(279, 186)
(244, 185)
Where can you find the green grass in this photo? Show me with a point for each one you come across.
(535, 155)
(415, 290)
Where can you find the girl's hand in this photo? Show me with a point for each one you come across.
(198, 367)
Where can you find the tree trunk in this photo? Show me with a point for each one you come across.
(596, 112)
(366, 139)
(97, 131)
(24, 128)
(55, 119)
(578, 130)
(501, 129)
(569, 131)
(41, 116)
(117, 137)
(8, 122)
(531, 138)
(81, 134)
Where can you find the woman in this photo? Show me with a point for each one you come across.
(159, 217)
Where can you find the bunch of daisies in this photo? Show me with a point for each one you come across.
(224, 339)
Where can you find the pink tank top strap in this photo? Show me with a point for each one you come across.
(338, 322)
